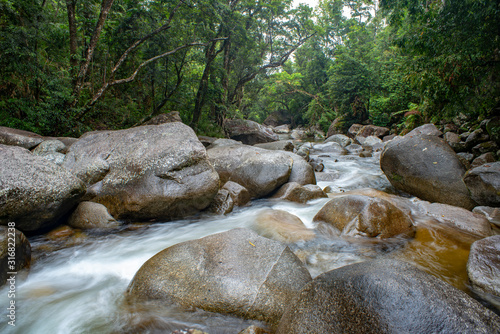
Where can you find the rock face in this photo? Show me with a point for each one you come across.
(34, 193)
(260, 171)
(484, 184)
(282, 226)
(281, 145)
(340, 139)
(223, 203)
(358, 215)
(21, 138)
(90, 215)
(249, 132)
(147, 172)
(483, 266)
(238, 193)
(292, 191)
(235, 272)
(302, 172)
(384, 296)
(427, 167)
(21, 253)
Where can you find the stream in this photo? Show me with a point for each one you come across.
(80, 288)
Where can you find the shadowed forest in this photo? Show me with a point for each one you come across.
(71, 66)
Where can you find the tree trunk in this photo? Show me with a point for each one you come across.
(73, 42)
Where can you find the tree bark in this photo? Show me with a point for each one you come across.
(73, 41)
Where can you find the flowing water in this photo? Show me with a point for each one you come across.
(80, 288)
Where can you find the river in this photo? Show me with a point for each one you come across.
(80, 289)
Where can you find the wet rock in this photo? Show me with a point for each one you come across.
(484, 184)
(340, 139)
(299, 134)
(248, 132)
(61, 233)
(258, 170)
(465, 159)
(281, 145)
(426, 129)
(354, 130)
(358, 215)
(373, 130)
(483, 267)
(354, 148)
(317, 165)
(461, 218)
(90, 215)
(302, 172)
(282, 129)
(282, 226)
(476, 137)
(223, 203)
(491, 213)
(304, 152)
(235, 272)
(372, 141)
(238, 193)
(147, 172)
(327, 176)
(170, 117)
(384, 296)
(336, 127)
(483, 159)
(425, 166)
(34, 193)
(293, 191)
(15, 137)
(15, 252)
(329, 147)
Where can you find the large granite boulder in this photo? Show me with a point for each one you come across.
(15, 252)
(147, 172)
(249, 132)
(340, 139)
(359, 215)
(170, 117)
(384, 296)
(34, 192)
(302, 171)
(426, 129)
(483, 266)
(427, 167)
(280, 145)
(484, 184)
(15, 137)
(373, 130)
(260, 171)
(235, 272)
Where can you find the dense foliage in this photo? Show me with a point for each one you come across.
(70, 66)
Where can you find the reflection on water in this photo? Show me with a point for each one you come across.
(80, 289)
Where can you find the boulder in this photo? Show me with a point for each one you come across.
(384, 296)
(34, 193)
(282, 226)
(293, 191)
(483, 159)
(329, 147)
(90, 215)
(282, 129)
(302, 172)
(170, 117)
(426, 167)
(281, 145)
(248, 132)
(485, 147)
(238, 193)
(483, 267)
(354, 148)
(451, 138)
(235, 272)
(491, 213)
(15, 137)
(254, 330)
(492, 128)
(15, 252)
(206, 141)
(484, 184)
(373, 130)
(223, 203)
(258, 170)
(340, 139)
(147, 172)
(426, 129)
(454, 216)
(51, 150)
(359, 215)
(476, 137)
(336, 127)
(223, 142)
(276, 118)
(304, 152)
(354, 130)
(373, 141)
